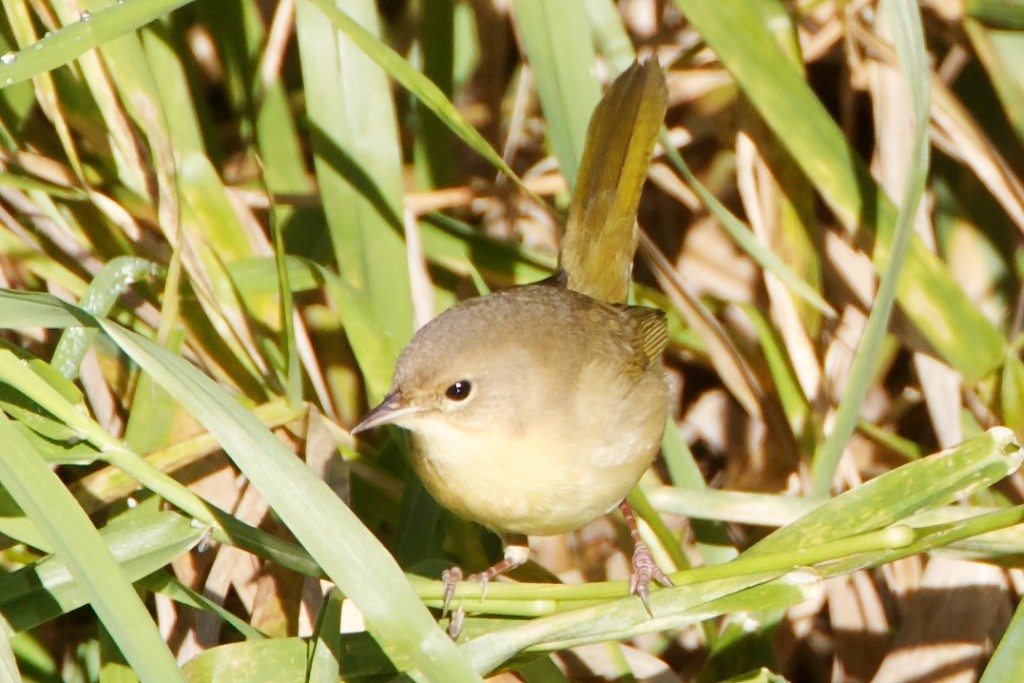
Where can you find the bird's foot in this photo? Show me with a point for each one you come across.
(515, 555)
(645, 569)
(450, 578)
(644, 566)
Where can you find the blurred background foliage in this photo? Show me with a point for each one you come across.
(280, 192)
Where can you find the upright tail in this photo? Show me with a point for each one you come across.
(601, 236)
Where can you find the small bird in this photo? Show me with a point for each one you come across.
(535, 410)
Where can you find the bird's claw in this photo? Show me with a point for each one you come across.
(450, 578)
(455, 624)
(484, 580)
(515, 555)
(645, 569)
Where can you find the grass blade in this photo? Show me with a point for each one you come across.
(349, 555)
(563, 63)
(905, 23)
(936, 304)
(47, 502)
(92, 30)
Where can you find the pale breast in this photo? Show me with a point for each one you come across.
(557, 476)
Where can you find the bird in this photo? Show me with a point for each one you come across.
(535, 410)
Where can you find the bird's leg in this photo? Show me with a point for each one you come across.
(517, 552)
(644, 566)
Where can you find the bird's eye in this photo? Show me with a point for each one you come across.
(459, 391)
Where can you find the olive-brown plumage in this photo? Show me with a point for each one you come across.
(533, 410)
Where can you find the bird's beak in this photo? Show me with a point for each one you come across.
(392, 409)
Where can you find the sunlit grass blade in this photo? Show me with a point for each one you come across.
(141, 542)
(1000, 50)
(8, 663)
(350, 555)
(357, 159)
(79, 545)
(936, 304)
(907, 490)
(739, 507)
(326, 655)
(163, 582)
(618, 619)
(745, 239)
(562, 62)
(18, 309)
(762, 596)
(416, 83)
(610, 35)
(277, 659)
(929, 538)
(92, 30)
(905, 24)
(1006, 663)
(99, 298)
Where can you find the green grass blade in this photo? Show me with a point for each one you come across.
(623, 618)
(561, 53)
(1001, 50)
(141, 541)
(112, 281)
(905, 23)
(349, 554)
(739, 507)
(416, 83)
(999, 13)
(787, 385)
(91, 31)
(163, 582)
(745, 239)
(926, 292)
(326, 641)
(907, 490)
(357, 159)
(610, 35)
(435, 159)
(22, 309)
(1006, 663)
(277, 659)
(47, 502)
(8, 663)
